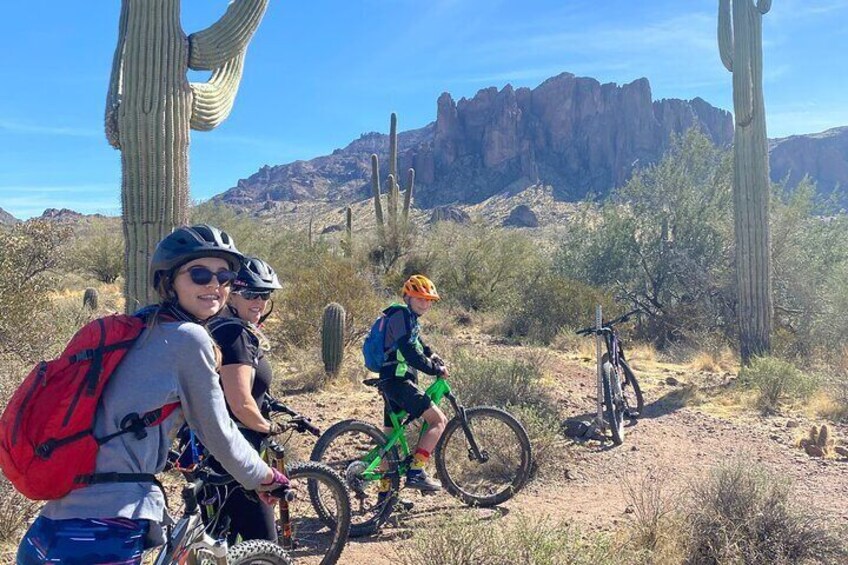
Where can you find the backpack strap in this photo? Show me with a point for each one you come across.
(133, 423)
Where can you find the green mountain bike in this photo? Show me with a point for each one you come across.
(483, 457)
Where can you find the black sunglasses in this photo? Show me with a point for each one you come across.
(254, 294)
(202, 276)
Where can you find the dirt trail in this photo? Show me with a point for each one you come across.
(672, 444)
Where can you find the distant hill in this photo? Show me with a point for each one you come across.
(821, 156)
(6, 218)
(572, 133)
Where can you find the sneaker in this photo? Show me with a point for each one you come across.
(421, 481)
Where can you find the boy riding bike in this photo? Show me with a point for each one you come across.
(404, 355)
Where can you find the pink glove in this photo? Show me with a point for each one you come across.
(264, 490)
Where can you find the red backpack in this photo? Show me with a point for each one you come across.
(47, 442)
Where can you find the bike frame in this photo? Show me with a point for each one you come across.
(437, 391)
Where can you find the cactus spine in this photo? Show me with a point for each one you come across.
(150, 108)
(740, 48)
(332, 337)
(395, 239)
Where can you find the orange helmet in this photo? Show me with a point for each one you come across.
(420, 286)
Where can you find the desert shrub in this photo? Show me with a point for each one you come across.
(30, 253)
(551, 304)
(742, 514)
(15, 512)
(480, 267)
(99, 251)
(496, 382)
(658, 530)
(776, 381)
(526, 540)
(311, 287)
(664, 242)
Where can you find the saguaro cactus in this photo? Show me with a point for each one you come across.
(393, 238)
(332, 337)
(740, 48)
(151, 106)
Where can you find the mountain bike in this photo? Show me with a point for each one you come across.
(195, 541)
(313, 533)
(483, 457)
(621, 391)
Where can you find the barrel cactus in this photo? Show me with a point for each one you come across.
(740, 47)
(150, 108)
(332, 337)
(90, 299)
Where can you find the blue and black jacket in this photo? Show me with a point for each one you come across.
(405, 351)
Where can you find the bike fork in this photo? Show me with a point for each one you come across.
(474, 452)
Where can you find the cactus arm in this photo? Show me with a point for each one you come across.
(407, 197)
(393, 146)
(113, 96)
(725, 34)
(225, 39)
(375, 187)
(763, 6)
(212, 101)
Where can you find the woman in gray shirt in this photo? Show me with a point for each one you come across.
(174, 360)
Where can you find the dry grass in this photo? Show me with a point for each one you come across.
(658, 530)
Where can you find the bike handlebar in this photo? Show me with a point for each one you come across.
(298, 422)
(606, 327)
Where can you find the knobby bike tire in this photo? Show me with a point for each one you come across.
(257, 552)
(366, 514)
(331, 527)
(630, 380)
(476, 417)
(615, 417)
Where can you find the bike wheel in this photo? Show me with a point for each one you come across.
(502, 439)
(347, 448)
(257, 552)
(633, 398)
(319, 515)
(613, 403)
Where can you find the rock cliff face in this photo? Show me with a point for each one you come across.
(573, 133)
(822, 156)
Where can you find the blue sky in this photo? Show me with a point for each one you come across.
(320, 73)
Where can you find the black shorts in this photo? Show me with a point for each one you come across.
(403, 394)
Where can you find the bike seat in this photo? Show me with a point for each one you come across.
(371, 382)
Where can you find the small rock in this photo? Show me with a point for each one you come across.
(814, 450)
(629, 509)
(792, 423)
(671, 381)
(569, 475)
(634, 448)
(774, 437)
(575, 428)
(841, 450)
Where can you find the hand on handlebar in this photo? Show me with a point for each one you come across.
(270, 492)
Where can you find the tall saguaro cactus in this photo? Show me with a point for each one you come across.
(740, 48)
(151, 106)
(393, 238)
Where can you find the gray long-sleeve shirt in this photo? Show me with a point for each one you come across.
(170, 362)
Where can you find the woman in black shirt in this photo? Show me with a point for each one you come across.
(246, 377)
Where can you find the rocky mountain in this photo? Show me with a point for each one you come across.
(6, 218)
(821, 156)
(572, 133)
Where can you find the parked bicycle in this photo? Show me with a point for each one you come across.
(314, 522)
(483, 457)
(622, 394)
(197, 541)
(313, 533)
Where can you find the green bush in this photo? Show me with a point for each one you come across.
(480, 267)
(496, 382)
(776, 381)
(524, 539)
(553, 303)
(99, 250)
(741, 514)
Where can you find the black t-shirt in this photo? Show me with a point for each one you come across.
(239, 346)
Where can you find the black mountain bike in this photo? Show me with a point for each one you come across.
(622, 394)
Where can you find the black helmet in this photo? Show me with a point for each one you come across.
(187, 243)
(256, 274)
